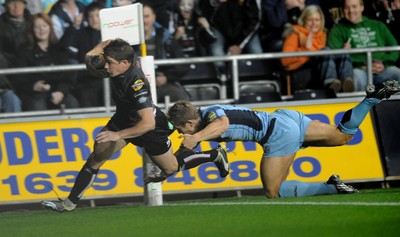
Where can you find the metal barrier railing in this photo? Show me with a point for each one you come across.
(235, 76)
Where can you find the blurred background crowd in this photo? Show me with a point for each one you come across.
(50, 32)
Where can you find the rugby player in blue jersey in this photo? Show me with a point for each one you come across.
(281, 134)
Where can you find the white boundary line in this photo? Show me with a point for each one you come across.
(288, 203)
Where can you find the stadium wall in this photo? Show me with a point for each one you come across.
(386, 119)
(41, 154)
(43, 150)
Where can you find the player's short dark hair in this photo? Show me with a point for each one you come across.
(119, 50)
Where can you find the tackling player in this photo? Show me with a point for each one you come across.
(281, 134)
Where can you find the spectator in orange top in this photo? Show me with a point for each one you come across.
(329, 71)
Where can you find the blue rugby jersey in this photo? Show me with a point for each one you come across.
(244, 124)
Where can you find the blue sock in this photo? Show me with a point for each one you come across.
(353, 118)
(295, 188)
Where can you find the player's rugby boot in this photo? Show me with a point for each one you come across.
(57, 206)
(222, 161)
(383, 90)
(340, 186)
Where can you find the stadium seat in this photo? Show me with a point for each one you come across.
(209, 91)
(256, 70)
(199, 72)
(310, 94)
(259, 97)
(260, 91)
(257, 76)
(259, 86)
(201, 82)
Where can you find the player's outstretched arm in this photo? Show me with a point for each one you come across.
(98, 49)
(213, 130)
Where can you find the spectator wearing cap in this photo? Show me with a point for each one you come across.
(14, 24)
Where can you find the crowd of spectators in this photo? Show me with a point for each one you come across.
(51, 32)
(330, 71)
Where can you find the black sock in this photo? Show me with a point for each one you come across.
(188, 159)
(83, 181)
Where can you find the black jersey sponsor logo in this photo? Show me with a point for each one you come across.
(138, 84)
(168, 142)
(142, 100)
(145, 92)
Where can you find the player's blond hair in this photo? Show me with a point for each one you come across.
(181, 112)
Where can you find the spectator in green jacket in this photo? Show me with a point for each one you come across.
(358, 31)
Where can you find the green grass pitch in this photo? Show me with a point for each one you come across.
(370, 213)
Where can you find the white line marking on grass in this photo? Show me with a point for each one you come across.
(290, 203)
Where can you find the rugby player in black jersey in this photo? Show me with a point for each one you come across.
(136, 120)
